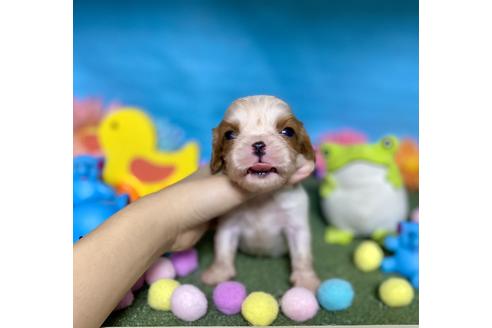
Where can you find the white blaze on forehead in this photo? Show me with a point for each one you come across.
(257, 113)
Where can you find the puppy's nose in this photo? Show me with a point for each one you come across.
(259, 148)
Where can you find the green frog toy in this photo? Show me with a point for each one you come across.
(362, 193)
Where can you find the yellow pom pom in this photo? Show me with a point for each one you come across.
(396, 292)
(260, 309)
(368, 256)
(160, 292)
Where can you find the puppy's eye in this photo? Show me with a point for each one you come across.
(229, 135)
(288, 132)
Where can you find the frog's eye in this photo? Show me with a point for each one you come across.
(387, 143)
(325, 151)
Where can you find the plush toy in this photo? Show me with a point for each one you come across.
(407, 158)
(260, 309)
(335, 294)
(161, 269)
(188, 303)
(341, 137)
(363, 190)
(396, 292)
(185, 262)
(368, 256)
(133, 162)
(299, 304)
(228, 297)
(405, 261)
(160, 292)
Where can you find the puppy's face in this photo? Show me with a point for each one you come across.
(260, 145)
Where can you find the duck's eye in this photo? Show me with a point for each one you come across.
(229, 135)
(114, 125)
(288, 132)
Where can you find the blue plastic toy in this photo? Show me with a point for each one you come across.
(335, 294)
(93, 200)
(405, 261)
(88, 216)
(87, 183)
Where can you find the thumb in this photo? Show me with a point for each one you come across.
(208, 197)
(192, 201)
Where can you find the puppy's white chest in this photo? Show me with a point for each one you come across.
(261, 229)
(262, 223)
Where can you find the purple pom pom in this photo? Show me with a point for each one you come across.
(228, 297)
(126, 301)
(139, 284)
(185, 262)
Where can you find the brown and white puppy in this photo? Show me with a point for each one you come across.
(261, 146)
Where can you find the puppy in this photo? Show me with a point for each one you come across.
(261, 146)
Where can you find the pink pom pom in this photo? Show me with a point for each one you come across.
(126, 301)
(343, 137)
(299, 304)
(185, 262)
(188, 303)
(228, 297)
(161, 269)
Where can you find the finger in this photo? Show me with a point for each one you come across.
(190, 202)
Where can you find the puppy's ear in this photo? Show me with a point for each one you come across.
(305, 158)
(216, 162)
(305, 146)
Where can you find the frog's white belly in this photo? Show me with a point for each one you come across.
(364, 200)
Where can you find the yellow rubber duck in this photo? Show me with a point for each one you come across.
(134, 164)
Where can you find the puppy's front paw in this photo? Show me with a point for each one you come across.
(306, 278)
(217, 273)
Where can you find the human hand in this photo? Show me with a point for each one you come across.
(191, 229)
(110, 259)
(185, 209)
(204, 196)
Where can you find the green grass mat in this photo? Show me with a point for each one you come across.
(272, 276)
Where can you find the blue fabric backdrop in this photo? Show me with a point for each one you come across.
(340, 63)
